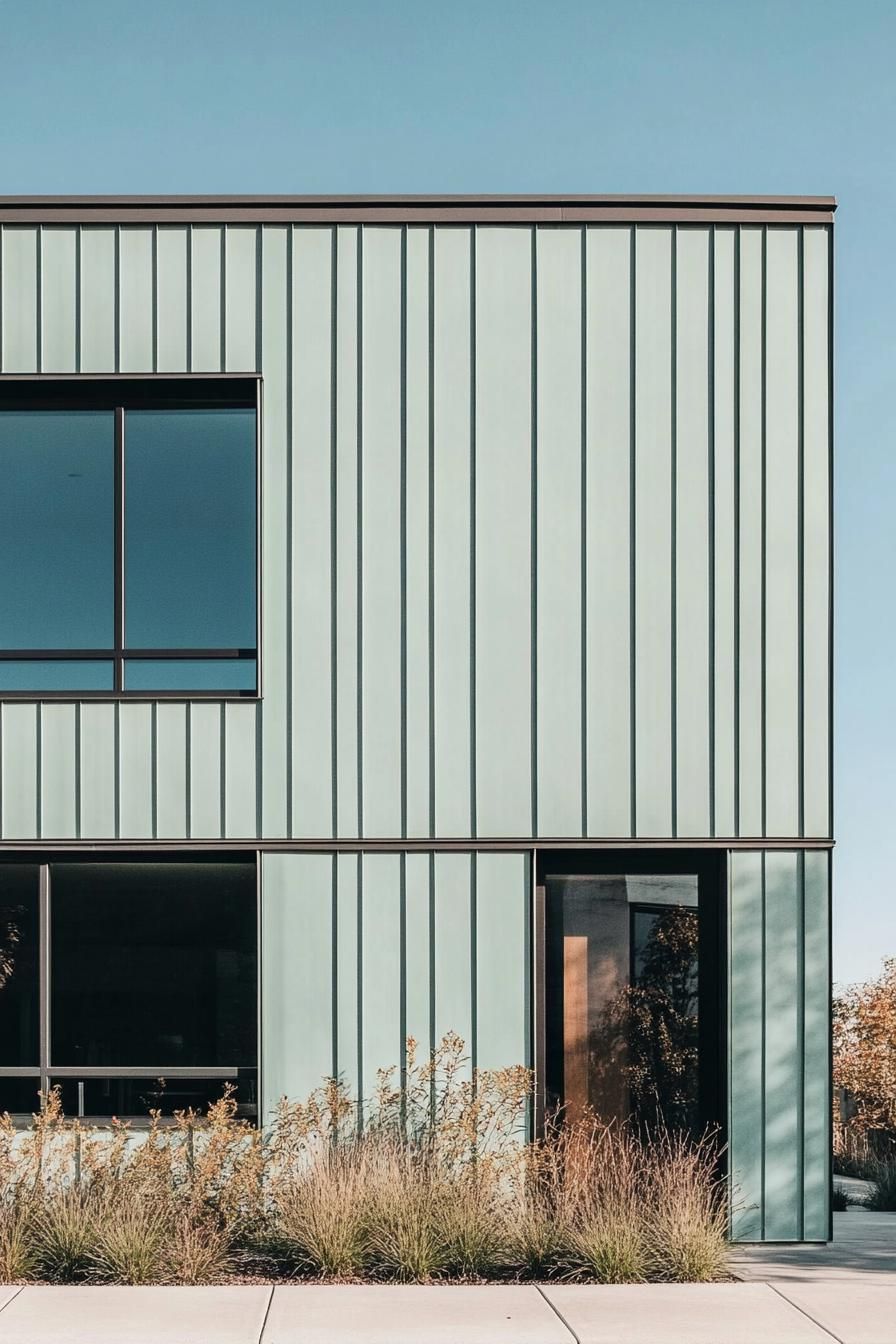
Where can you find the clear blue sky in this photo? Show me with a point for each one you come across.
(793, 96)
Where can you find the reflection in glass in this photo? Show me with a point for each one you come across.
(622, 1026)
(19, 976)
(56, 529)
(59, 674)
(154, 964)
(190, 529)
(189, 674)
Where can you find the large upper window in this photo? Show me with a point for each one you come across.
(128, 537)
(130, 985)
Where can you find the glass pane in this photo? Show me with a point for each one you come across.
(58, 674)
(190, 529)
(190, 674)
(153, 964)
(622, 966)
(20, 1096)
(57, 529)
(105, 1097)
(19, 962)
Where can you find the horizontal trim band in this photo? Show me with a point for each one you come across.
(532, 209)
(405, 846)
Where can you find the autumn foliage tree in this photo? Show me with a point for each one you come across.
(865, 1050)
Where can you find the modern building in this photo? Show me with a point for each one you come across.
(415, 615)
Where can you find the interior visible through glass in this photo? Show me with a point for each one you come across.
(622, 963)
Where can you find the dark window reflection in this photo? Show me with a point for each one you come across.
(19, 951)
(153, 964)
(107, 1097)
(20, 1096)
(56, 529)
(190, 529)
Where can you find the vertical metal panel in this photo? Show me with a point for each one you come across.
(353, 963)
(19, 271)
(296, 962)
(751, 649)
(58, 772)
(746, 1036)
(608, 575)
(503, 899)
(135, 300)
(419, 945)
(347, 986)
(96, 300)
(418, 414)
(311, 686)
(240, 312)
(172, 298)
(275, 519)
(240, 774)
(558, 654)
(816, 1071)
(206, 266)
(97, 770)
(693, 575)
(782, 515)
(816, 596)
(135, 771)
(454, 931)
(381, 487)
(381, 971)
(653, 533)
(782, 1090)
(452, 537)
(346, 375)
(503, 538)
(724, 678)
(205, 723)
(58, 296)
(779, 1063)
(171, 771)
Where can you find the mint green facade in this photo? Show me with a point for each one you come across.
(545, 557)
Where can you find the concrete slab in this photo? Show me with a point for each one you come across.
(398, 1314)
(115, 1315)
(864, 1247)
(682, 1313)
(7, 1294)
(854, 1313)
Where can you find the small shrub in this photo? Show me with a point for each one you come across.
(608, 1245)
(18, 1261)
(882, 1196)
(319, 1215)
(132, 1244)
(197, 1252)
(839, 1199)
(687, 1216)
(473, 1224)
(64, 1235)
(403, 1239)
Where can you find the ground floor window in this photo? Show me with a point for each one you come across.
(131, 985)
(632, 989)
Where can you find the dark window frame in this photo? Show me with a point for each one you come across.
(119, 393)
(44, 1072)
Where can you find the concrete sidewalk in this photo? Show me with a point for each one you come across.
(838, 1312)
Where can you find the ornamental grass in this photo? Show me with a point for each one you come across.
(431, 1179)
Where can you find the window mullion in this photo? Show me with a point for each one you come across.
(44, 978)
(119, 549)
